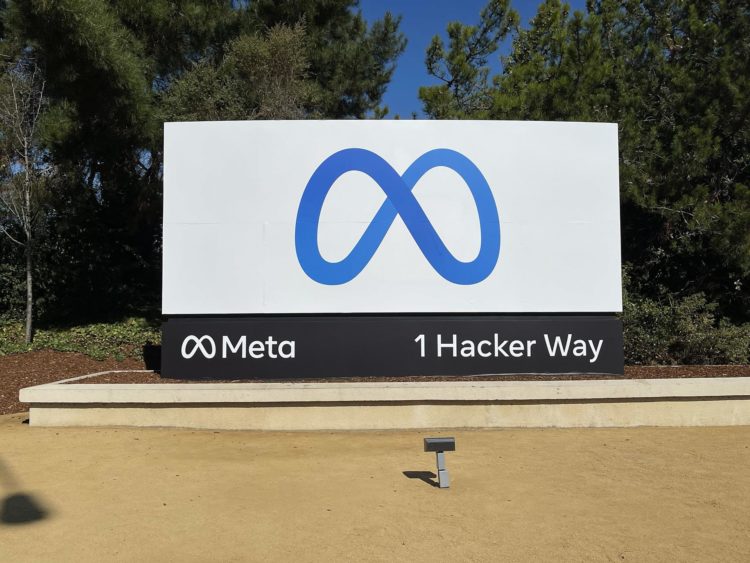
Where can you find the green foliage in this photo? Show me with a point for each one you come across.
(115, 69)
(687, 331)
(12, 278)
(462, 68)
(95, 62)
(100, 340)
(258, 77)
(352, 64)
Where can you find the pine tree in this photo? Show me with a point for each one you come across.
(674, 76)
(462, 68)
(115, 69)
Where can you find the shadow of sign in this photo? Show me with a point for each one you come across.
(18, 507)
(426, 476)
(152, 356)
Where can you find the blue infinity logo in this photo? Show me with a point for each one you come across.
(400, 201)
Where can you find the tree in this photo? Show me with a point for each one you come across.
(462, 69)
(258, 77)
(351, 63)
(675, 76)
(25, 168)
(115, 69)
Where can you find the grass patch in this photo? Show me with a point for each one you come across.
(117, 340)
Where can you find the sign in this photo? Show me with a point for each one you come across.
(315, 347)
(316, 217)
(390, 248)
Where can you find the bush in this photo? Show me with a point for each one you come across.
(687, 331)
(102, 340)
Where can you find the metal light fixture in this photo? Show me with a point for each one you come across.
(440, 446)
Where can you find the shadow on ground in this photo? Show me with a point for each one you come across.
(18, 507)
(21, 508)
(426, 476)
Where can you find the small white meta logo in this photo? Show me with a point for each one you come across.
(198, 345)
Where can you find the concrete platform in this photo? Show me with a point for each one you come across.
(370, 406)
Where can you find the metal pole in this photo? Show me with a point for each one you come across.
(444, 480)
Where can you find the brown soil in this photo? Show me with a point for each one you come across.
(631, 372)
(45, 366)
(35, 368)
(135, 494)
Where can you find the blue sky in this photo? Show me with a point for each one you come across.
(421, 19)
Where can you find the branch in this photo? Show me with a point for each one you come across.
(12, 207)
(17, 116)
(39, 103)
(11, 237)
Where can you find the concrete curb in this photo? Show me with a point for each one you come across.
(378, 392)
(389, 405)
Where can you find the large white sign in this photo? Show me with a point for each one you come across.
(390, 216)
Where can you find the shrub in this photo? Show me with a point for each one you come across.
(101, 340)
(687, 331)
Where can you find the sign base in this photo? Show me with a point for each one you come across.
(289, 347)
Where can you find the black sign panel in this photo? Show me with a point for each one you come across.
(389, 346)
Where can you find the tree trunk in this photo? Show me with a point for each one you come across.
(29, 295)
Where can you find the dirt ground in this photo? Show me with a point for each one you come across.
(638, 494)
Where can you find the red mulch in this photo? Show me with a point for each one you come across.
(45, 366)
(631, 372)
(34, 368)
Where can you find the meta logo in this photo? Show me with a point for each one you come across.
(399, 202)
(199, 343)
(254, 349)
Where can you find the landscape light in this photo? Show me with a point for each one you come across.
(440, 446)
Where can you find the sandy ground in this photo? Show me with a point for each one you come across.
(644, 494)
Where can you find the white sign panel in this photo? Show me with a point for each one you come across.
(390, 216)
